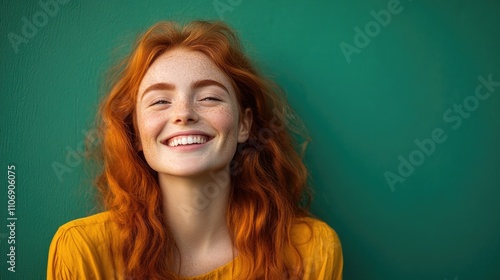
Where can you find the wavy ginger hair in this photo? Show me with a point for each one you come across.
(268, 178)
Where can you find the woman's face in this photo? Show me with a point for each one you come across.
(188, 115)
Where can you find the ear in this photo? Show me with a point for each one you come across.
(245, 125)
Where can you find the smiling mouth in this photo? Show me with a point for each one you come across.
(184, 140)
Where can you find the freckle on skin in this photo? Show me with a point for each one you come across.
(181, 68)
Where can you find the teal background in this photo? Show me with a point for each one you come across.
(442, 222)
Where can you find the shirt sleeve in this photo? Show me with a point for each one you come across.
(57, 268)
(325, 260)
(72, 256)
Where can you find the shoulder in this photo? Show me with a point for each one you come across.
(91, 230)
(307, 230)
(80, 246)
(319, 247)
(91, 224)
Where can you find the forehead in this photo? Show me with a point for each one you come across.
(183, 66)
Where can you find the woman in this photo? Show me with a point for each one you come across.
(200, 175)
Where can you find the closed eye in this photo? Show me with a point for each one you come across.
(160, 102)
(211, 98)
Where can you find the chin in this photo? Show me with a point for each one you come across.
(192, 171)
(184, 172)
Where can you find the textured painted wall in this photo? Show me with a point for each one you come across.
(402, 99)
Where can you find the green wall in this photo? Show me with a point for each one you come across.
(406, 94)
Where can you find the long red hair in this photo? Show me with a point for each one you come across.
(268, 178)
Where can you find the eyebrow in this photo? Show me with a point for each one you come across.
(158, 86)
(206, 83)
(195, 85)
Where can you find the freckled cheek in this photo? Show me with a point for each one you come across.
(150, 127)
(226, 121)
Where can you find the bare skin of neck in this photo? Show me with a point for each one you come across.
(195, 210)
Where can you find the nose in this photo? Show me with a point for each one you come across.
(184, 112)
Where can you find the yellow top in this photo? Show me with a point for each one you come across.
(81, 249)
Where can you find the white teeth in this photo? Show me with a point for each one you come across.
(187, 140)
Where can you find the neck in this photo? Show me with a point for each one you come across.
(195, 209)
